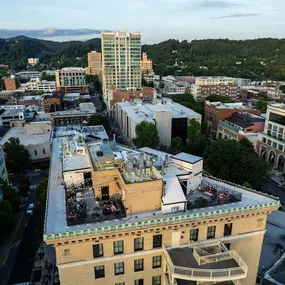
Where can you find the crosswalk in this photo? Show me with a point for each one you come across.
(16, 243)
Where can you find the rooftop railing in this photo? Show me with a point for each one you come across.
(208, 274)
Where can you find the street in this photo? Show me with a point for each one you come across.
(18, 265)
(273, 188)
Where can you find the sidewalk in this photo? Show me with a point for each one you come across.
(7, 241)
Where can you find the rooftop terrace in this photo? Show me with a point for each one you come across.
(74, 193)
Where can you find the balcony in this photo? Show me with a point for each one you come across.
(207, 263)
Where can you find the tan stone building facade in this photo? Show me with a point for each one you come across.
(141, 225)
(146, 64)
(94, 63)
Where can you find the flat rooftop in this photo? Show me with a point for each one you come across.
(25, 139)
(69, 146)
(28, 98)
(71, 113)
(145, 111)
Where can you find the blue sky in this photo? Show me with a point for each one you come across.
(157, 20)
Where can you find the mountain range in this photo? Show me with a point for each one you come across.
(257, 59)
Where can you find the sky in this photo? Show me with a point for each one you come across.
(156, 20)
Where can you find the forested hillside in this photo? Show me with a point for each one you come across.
(256, 59)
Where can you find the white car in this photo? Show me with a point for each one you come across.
(30, 209)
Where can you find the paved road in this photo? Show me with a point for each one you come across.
(274, 188)
(19, 263)
(30, 241)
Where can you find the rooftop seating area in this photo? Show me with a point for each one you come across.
(207, 195)
(82, 206)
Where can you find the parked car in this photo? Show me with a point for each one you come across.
(30, 210)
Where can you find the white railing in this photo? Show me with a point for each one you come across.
(208, 274)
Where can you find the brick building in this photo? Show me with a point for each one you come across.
(52, 99)
(115, 95)
(215, 111)
(214, 85)
(11, 83)
(239, 124)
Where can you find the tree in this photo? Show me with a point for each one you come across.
(235, 162)
(193, 131)
(146, 135)
(198, 147)
(282, 88)
(97, 119)
(6, 216)
(176, 145)
(11, 195)
(18, 159)
(247, 144)
(219, 98)
(52, 108)
(91, 78)
(261, 105)
(41, 193)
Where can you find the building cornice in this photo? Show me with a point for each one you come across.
(125, 225)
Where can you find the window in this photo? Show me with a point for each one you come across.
(157, 241)
(119, 268)
(99, 272)
(121, 283)
(139, 282)
(44, 151)
(138, 244)
(138, 265)
(98, 250)
(156, 280)
(118, 247)
(156, 261)
(211, 232)
(228, 229)
(194, 233)
(36, 152)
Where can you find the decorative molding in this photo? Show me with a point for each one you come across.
(159, 221)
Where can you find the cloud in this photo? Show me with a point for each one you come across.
(237, 15)
(50, 32)
(209, 4)
(217, 4)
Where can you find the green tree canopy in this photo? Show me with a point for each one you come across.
(146, 135)
(91, 78)
(97, 119)
(6, 216)
(41, 193)
(52, 108)
(282, 88)
(198, 147)
(235, 162)
(219, 98)
(176, 145)
(193, 131)
(18, 159)
(11, 195)
(261, 105)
